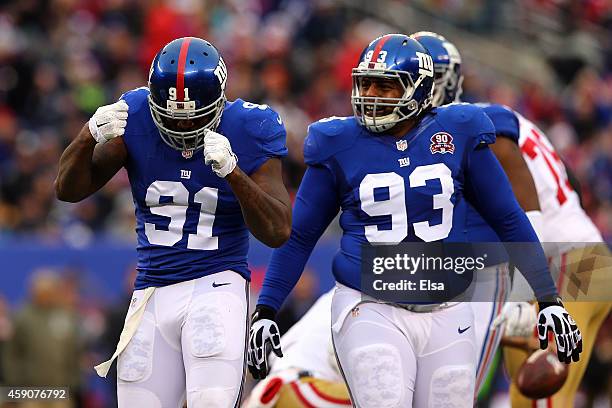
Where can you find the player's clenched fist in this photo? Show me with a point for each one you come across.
(218, 153)
(568, 339)
(264, 337)
(109, 121)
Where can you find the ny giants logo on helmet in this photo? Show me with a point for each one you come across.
(442, 142)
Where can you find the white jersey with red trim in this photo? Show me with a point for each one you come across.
(308, 346)
(563, 219)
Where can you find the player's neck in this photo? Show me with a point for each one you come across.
(402, 128)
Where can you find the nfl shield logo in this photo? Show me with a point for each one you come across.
(187, 154)
(401, 145)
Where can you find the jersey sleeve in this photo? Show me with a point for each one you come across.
(266, 129)
(312, 151)
(492, 196)
(484, 131)
(316, 205)
(504, 120)
(469, 122)
(137, 101)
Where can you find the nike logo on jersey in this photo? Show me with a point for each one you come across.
(460, 330)
(279, 120)
(216, 285)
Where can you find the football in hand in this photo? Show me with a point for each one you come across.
(541, 375)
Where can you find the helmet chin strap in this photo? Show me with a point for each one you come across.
(382, 124)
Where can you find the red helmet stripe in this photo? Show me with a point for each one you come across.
(381, 42)
(180, 75)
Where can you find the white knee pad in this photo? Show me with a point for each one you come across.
(376, 376)
(207, 334)
(452, 387)
(211, 398)
(137, 397)
(135, 363)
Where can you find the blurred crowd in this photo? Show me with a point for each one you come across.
(56, 336)
(61, 59)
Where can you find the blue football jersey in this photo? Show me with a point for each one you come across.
(188, 221)
(506, 125)
(395, 190)
(504, 119)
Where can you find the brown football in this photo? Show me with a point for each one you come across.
(541, 375)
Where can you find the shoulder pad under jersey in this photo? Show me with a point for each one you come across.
(138, 120)
(136, 99)
(329, 136)
(467, 120)
(260, 121)
(504, 119)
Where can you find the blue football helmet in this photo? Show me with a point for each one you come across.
(447, 66)
(399, 58)
(187, 91)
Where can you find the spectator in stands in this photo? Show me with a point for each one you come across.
(44, 349)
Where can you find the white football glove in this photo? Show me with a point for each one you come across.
(218, 152)
(568, 339)
(109, 121)
(518, 319)
(264, 337)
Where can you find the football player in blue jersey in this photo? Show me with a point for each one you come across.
(204, 171)
(400, 171)
(448, 89)
(554, 210)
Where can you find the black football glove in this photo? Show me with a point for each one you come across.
(264, 337)
(553, 316)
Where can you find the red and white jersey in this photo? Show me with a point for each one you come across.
(563, 219)
(308, 345)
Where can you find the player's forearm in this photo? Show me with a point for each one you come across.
(495, 201)
(527, 255)
(268, 217)
(315, 207)
(523, 186)
(86, 166)
(74, 178)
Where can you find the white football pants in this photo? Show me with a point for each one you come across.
(190, 345)
(392, 357)
(490, 294)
